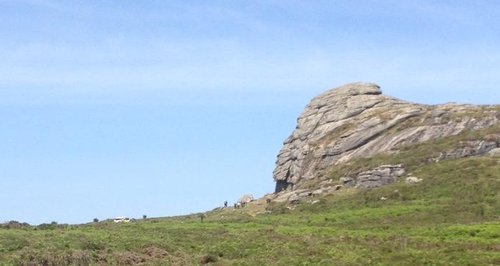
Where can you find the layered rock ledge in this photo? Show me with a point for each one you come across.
(357, 120)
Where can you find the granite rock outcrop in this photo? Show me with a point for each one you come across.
(358, 120)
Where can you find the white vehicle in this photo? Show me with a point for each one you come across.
(121, 219)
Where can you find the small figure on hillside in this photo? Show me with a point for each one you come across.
(202, 216)
(225, 204)
(268, 201)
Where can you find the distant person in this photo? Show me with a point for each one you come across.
(225, 204)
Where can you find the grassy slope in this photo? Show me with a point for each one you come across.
(452, 217)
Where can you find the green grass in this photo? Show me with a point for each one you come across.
(451, 218)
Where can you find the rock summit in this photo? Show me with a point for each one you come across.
(357, 120)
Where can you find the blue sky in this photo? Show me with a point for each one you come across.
(112, 108)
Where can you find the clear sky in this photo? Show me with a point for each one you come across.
(111, 108)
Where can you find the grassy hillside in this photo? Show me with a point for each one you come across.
(451, 218)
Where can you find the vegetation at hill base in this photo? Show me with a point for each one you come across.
(452, 217)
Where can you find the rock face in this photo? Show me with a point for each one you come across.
(469, 148)
(357, 120)
(382, 175)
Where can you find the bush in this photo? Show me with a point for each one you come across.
(208, 259)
